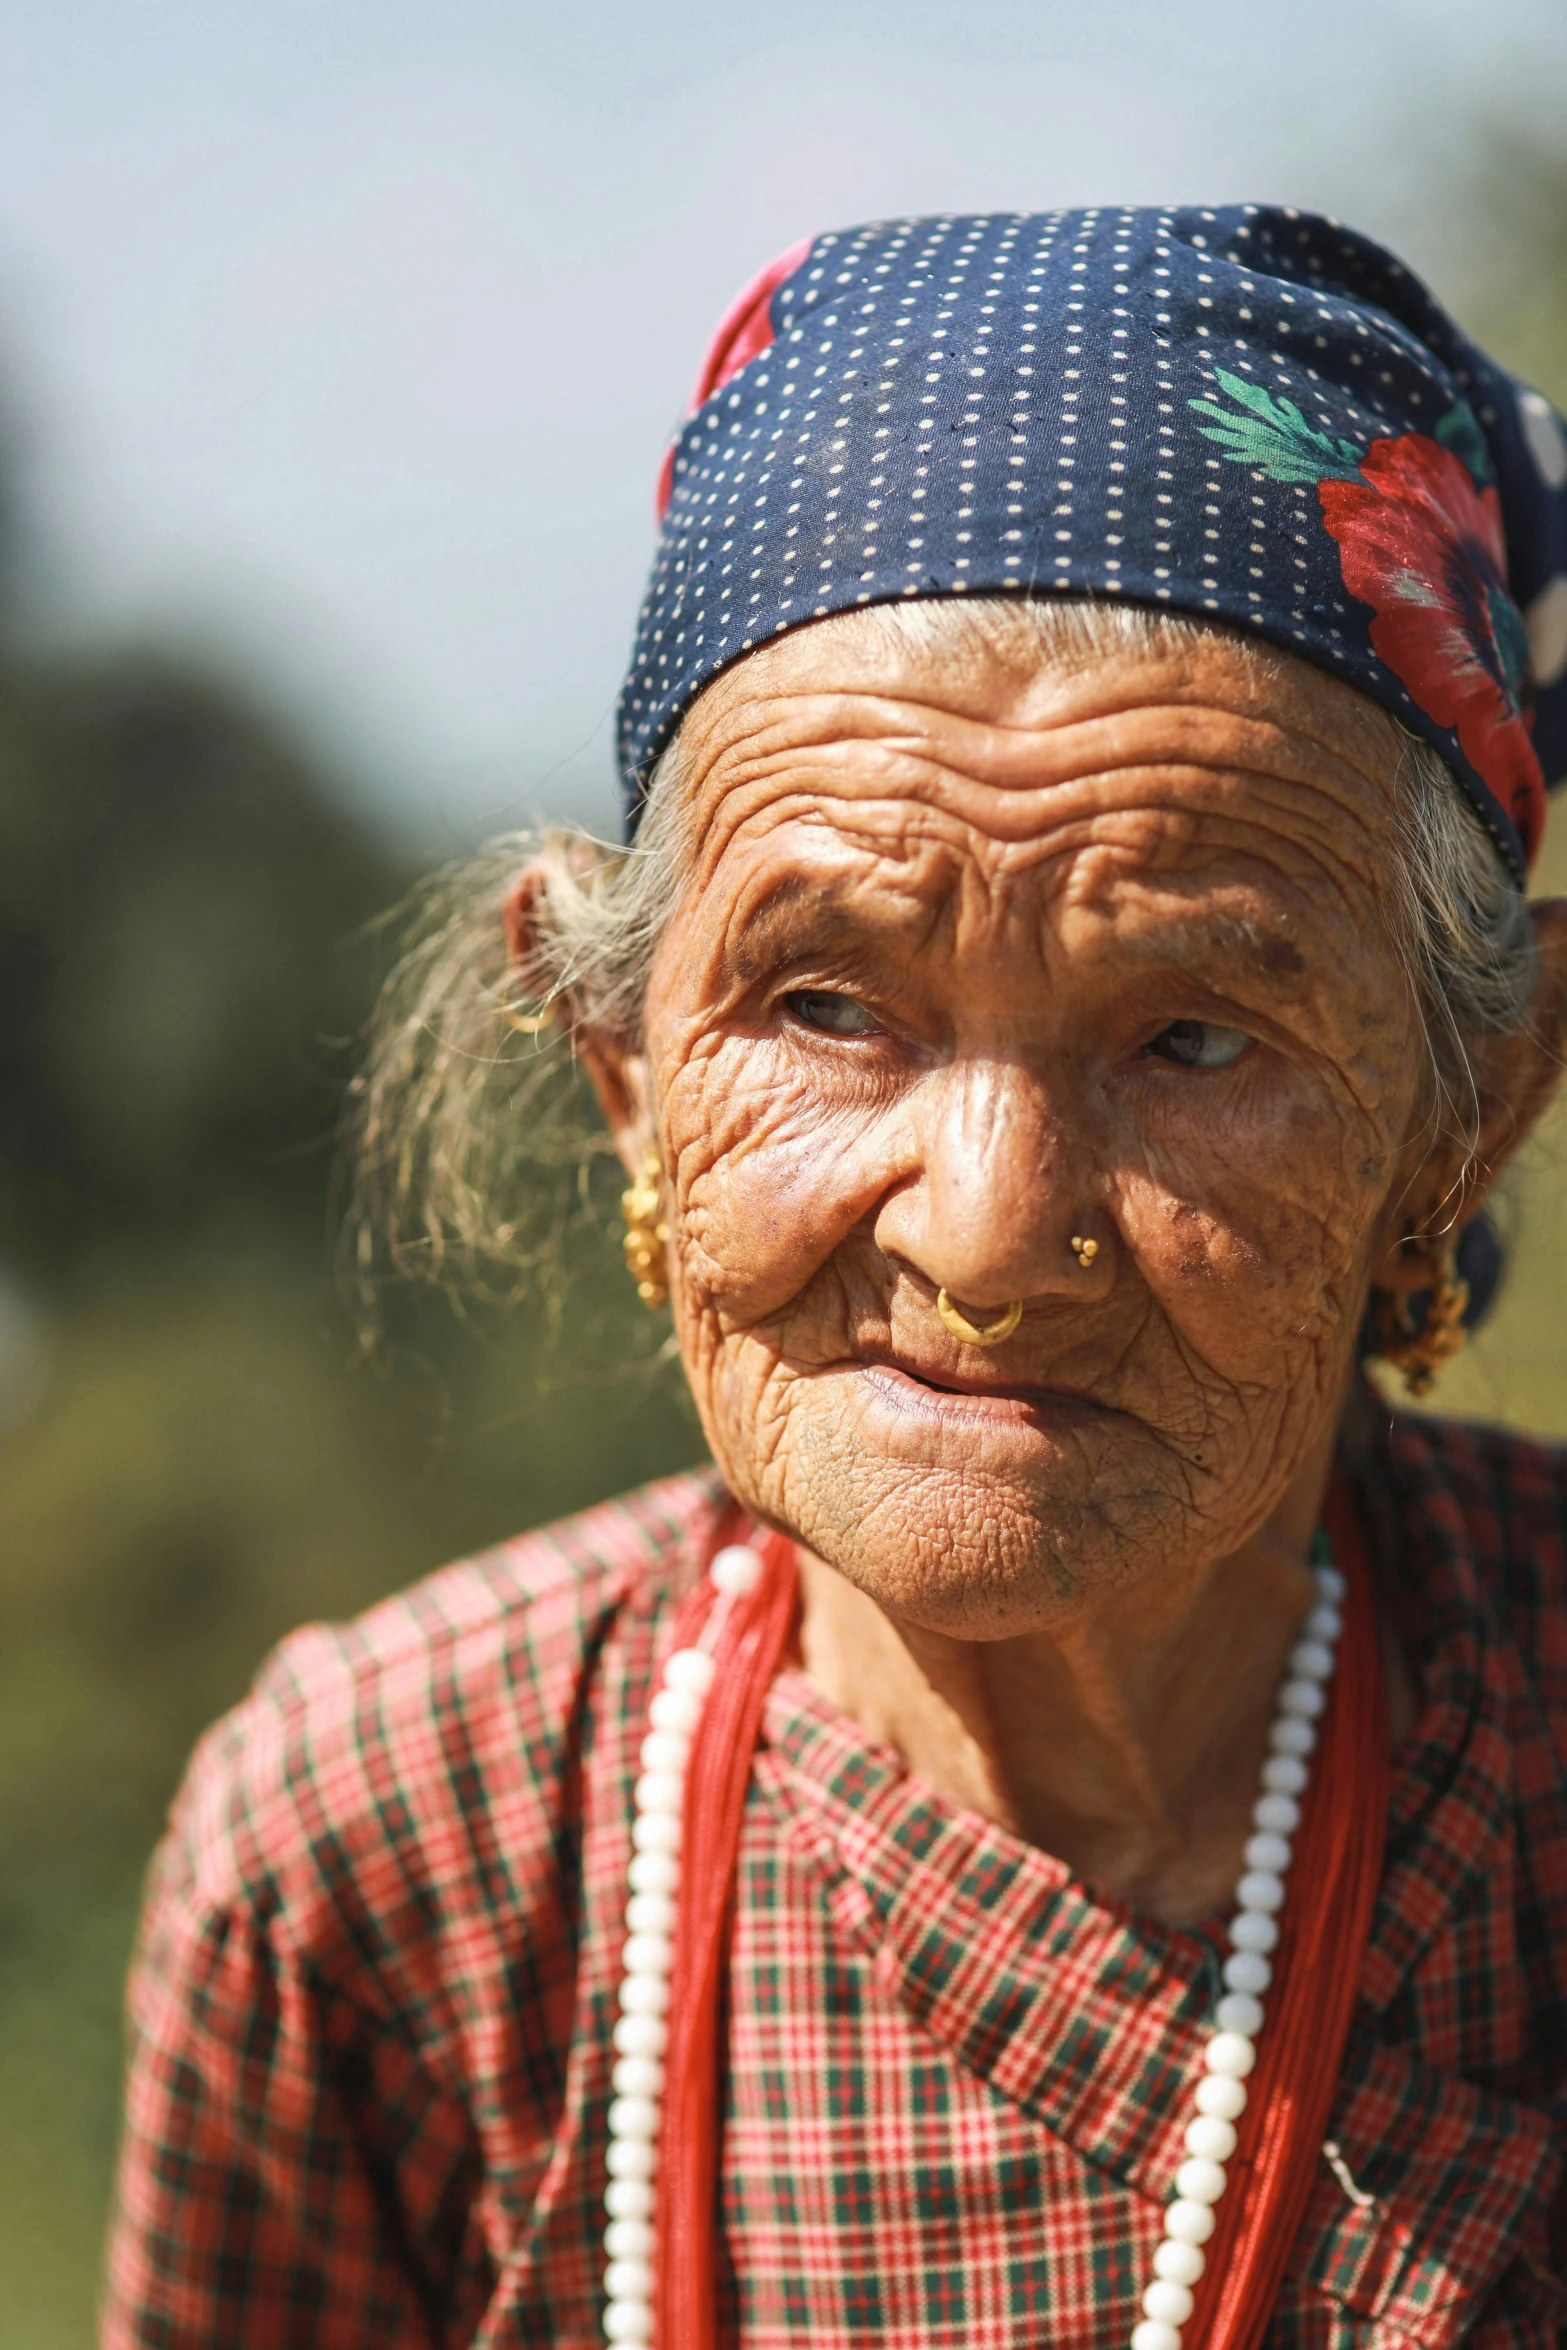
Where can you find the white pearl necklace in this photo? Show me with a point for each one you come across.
(1254, 1931)
(641, 2033)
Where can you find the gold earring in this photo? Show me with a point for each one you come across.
(1420, 1349)
(647, 1234)
(979, 1333)
(1085, 1251)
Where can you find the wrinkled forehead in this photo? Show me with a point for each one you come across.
(893, 736)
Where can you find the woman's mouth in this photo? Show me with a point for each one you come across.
(982, 1402)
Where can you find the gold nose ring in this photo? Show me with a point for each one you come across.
(1085, 1251)
(977, 1333)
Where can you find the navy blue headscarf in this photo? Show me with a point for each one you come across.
(1249, 414)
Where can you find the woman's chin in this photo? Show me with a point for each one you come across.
(1046, 1459)
(978, 1510)
(979, 1517)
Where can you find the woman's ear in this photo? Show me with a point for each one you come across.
(620, 1079)
(1515, 1082)
(617, 1073)
(522, 917)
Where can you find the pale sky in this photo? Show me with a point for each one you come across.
(349, 336)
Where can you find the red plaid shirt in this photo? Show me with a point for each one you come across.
(372, 2006)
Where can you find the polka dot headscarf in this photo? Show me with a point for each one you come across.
(1249, 413)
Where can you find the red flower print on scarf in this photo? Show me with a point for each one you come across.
(1419, 537)
(743, 333)
(1422, 545)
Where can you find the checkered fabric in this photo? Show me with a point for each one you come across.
(372, 2005)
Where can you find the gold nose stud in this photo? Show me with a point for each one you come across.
(1085, 1251)
(978, 1333)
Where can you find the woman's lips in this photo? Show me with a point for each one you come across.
(987, 1403)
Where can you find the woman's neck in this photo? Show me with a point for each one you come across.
(1126, 1743)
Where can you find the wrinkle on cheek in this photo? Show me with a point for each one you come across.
(1247, 1295)
(762, 1439)
(1254, 1296)
(769, 1182)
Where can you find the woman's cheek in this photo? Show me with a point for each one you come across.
(770, 1174)
(1248, 1232)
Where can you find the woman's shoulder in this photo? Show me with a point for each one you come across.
(543, 1596)
(1501, 1496)
(448, 1715)
(1510, 1488)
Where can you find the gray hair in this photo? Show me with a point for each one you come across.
(471, 1089)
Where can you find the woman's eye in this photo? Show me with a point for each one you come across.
(833, 1015)
(1198, 1044)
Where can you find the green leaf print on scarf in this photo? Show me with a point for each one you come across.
(1460, 431)
(1272, 435)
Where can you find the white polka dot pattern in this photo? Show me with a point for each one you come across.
(1159, 405)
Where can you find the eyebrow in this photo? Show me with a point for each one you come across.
(829, 926)
(1226, 942)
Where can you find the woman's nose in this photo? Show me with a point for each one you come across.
(1001, 1192)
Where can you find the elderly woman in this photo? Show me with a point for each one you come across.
(1060, 1836)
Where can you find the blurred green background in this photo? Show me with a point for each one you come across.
(196, 1451)
(195, 1454)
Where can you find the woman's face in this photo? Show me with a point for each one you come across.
(976, 959)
